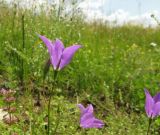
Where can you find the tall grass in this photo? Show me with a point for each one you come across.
(120, 58)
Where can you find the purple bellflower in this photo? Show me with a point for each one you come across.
(87, 119)
(152, 105)
(59, 55)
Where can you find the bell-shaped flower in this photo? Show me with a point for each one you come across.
(152, 105)
(59, 55)
(87, 119)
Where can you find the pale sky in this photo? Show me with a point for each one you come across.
(119, 11)
(135, 7)
(123, 11)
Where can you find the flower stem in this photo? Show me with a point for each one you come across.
(49, 106)
(22, 61)
(49, 102)
(58, 120)
(149, 125)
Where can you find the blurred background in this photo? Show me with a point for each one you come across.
(115, 12)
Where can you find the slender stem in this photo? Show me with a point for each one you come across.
(23, 46)
(58, 120)
(49, 102)
(23, 33)
(55, 75)
(149, 125)
(77, 97)
(49, 106)
(76, 91)
(59, 10)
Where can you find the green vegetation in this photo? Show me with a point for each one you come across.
(110, 72)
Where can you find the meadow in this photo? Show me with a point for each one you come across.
(110, 72)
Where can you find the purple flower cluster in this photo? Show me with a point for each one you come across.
(61, 56)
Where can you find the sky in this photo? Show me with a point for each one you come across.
(117, 12)
(135, 7)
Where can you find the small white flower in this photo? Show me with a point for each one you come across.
(153, 44)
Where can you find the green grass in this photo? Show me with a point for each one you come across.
(110, 71)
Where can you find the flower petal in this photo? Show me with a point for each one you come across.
(89, 109)
(86, 120)
(97, 123)
(48, 43)
(57, 51)
(89, 121)
(67, 55)
(156, 110)
(82, 108)
(149, 103)
(157, 97)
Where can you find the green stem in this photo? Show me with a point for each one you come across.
(23, 46)
(49, 103)
(55, 75)
(77, 97)
(58, 120)
(149, 125)
(49, 106)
